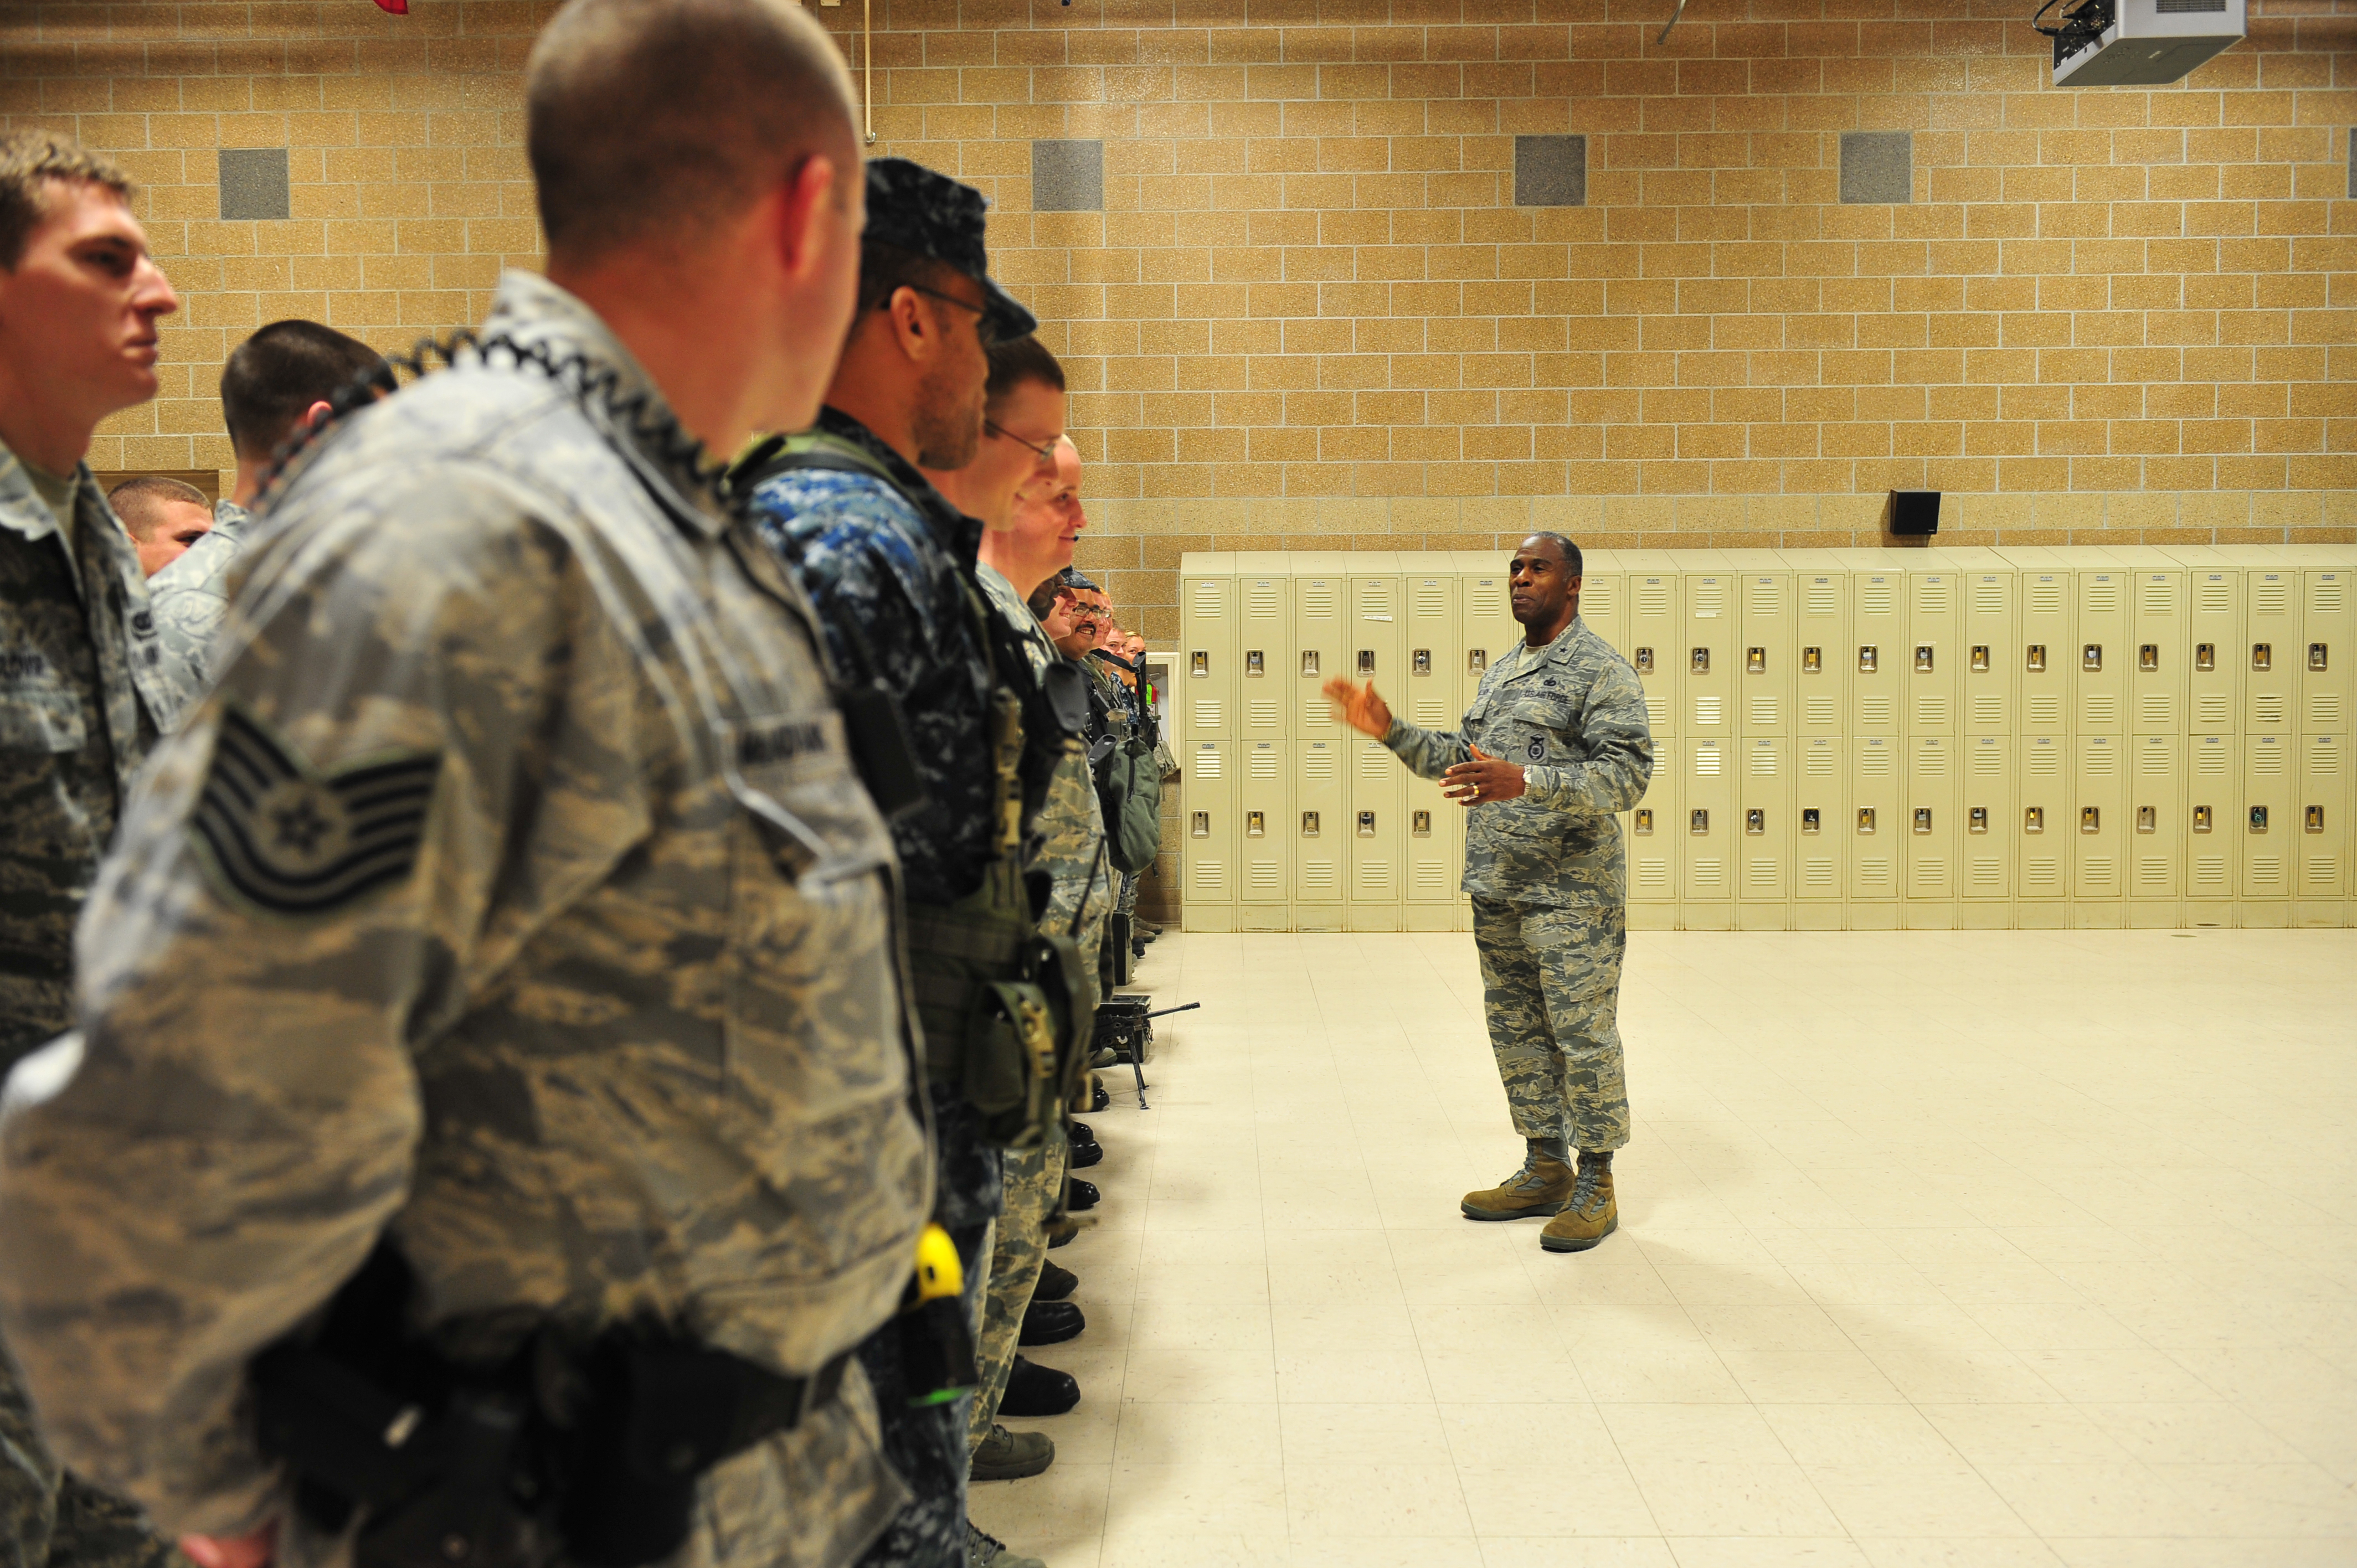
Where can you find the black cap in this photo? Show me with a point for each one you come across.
(913, 209)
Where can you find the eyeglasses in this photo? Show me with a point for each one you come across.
(1044, 451)
(983, 328)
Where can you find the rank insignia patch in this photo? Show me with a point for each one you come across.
(285, 838)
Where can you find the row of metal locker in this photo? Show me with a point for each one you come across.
(1844, 738)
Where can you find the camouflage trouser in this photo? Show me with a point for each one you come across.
(1129, 894)
(926, 1444)
(1551, 988)
(1035, 1185)
(47, 1518)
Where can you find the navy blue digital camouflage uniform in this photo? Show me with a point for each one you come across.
(884, 567)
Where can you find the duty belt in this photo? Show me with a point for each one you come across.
(977, 948)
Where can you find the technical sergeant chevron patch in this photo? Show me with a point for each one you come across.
(290, 840)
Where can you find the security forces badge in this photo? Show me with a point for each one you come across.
(1538, 748)
(287, 838)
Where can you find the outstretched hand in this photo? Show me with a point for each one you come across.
(254, 1551)
(1486, 777)
(1359, 707)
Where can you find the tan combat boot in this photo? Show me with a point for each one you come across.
(1539, 1187)
(1588, 1215)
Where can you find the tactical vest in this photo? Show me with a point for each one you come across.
(1002, 1001)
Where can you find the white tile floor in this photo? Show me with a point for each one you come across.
(1986, 1250)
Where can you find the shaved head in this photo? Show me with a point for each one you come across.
(655, 121)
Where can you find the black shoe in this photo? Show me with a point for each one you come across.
(1052, 1323)
(1060, 1233)
(1099, 1099)
(1039, 1391)
(1080, 1196)
(1086, 1155)
(1079, 1133)
(1056, 1283)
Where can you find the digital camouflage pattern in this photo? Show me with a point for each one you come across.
(1572, 714)
(1034, 1188)
(1550, 991)
(880, 563)
(628, 1038)
(81, 692)
(1547, 874)
(191, 597)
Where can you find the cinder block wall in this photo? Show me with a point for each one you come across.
(1310, 315)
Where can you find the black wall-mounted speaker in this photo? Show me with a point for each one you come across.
(1911, 514)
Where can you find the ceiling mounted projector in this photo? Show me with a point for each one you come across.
(2138, 43)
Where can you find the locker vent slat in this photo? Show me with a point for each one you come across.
(1824, 599)
(1709, 709)
(2046, 596)
(1709, 598)
(2216, 599)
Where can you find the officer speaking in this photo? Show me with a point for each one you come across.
(1555, 742)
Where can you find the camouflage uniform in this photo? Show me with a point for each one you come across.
(1550, 905)
(883, 565)
(511, 894)
(82, 691)
(191, 596)
(1071, 843)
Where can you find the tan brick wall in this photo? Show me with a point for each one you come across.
(1312, 317)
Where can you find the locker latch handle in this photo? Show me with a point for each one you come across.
(1924, 659)
(1200, 826)
(1812, 660)
(1641, 822)
(2147, 820)
(2313, 819)
(2148, 658)
(1811, 821)
(2259, 818)
(1366, 661)
(1699, 660)
(1922, 819)
(2262, 656)
(1980, 658)
(2205, 656)
(2033, 819)
(1255, 661)
(2091, 818)
(2033, 659)
(1309, 824)
(1477, 660)
(1755, 660)
(1755, 823)
(1698, 820)
(1309, 664)
(2091, 657)
(1366, 825)
(2200, 819)
(1255, 824)
(1420, 662)
(1644, 661)
(1865, 819)
(1419, 824)
(2317, 654)
(1199, 663)
(1868, 655)
(1976, 820)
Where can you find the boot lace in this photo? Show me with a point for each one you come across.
(1583, 1190)
(982, 1548)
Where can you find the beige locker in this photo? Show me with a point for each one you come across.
(1604, 599)
(1877, 635)
(1988, 627)
(1651, 830)
(1321, 639)
(1265, 668)
(1985, 878)
(2214, 632)
(1708, 594)
(1707, 840)
(1428, 689)
(2045, 661)
(2213, 831)
(1933, 830)
(1264, 833)
(2101, 638)
(2158, 842)
(1487, 627)
(1435, 856)
(1654, 632)
(1821, 670)
(2098, 828)
(2040, 826)
(1933, 674)
(1766, 825)
(2271, 836)
(2321, 880)
(1321, 833)
(1378, 837)
(1206, 695)
(1765, 646)
(1876, 833)
(1378, 620)
(2273, 617)
(1208, 850)
(1820, 832)
(2328, 637)
(2156, 651)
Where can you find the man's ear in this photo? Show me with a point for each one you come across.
(318, 413)
(801, 216)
